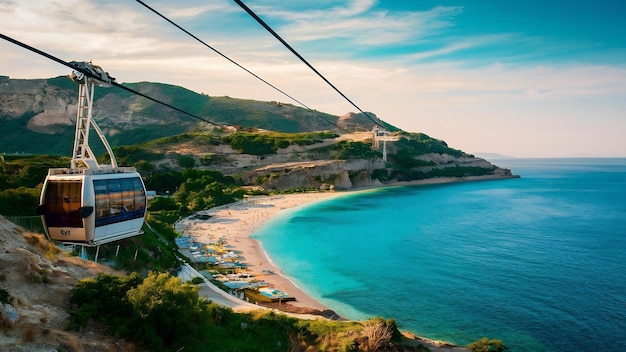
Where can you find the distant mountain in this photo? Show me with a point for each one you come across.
(38, 115)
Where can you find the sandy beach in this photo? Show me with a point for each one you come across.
(236, 222)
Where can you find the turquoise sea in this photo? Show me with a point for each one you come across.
(538, 262)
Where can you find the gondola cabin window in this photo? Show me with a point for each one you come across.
(63, 199)
(119, 200)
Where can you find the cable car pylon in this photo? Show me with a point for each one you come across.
(90, 204)
(383, 135)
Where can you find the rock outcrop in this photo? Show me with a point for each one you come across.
(38, 284)
(315, 174)
(49, 107)
(349, 174)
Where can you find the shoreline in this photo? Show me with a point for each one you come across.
(237, 222)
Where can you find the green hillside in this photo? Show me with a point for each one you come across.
(129, 119)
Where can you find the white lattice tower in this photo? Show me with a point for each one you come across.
(383, 135)
(82, 155)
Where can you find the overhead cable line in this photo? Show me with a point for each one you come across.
(221, 54)
(90, 74)
(269, 29)
(231, 60)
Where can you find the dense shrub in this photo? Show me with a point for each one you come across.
(186, 161)
(312, 137)
(254, 144)
(161, 221)
(164, 183)
(162, 203)
(420, 143)
(405, 160)
(170, 314)
(21, 201)
(269, 143)
(131, 155)
(162, 313)
(354, 150)
(487, 345)
(103, 298)
(380, 174)
(203, 189)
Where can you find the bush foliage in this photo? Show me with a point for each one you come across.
(21, 178)
(487, 345)
(204, 189)
(162, 313)
(354, 150)
(269, 143)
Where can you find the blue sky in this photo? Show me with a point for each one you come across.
(522, 78)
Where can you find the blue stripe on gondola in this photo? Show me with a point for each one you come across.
(121, 217)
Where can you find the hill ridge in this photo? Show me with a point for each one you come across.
(45, 109)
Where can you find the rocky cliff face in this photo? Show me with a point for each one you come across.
(446, 160)
(315, 166)
(321, 174)
(39, 281)
(48, 106)
(51, 108)
(350, 174)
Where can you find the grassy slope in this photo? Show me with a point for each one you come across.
(167, 122)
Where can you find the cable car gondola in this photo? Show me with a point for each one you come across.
(90, 204)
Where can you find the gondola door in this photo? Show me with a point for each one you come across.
(63, 212)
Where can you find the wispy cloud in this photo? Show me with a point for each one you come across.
(361, 24)
(445, 48)
(180, 12)
(415, 69)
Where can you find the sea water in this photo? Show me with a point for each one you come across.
(538, 262)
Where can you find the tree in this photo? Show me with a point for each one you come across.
(171, 313)
(103, 297)
(186, 162)
(486, 345)
(165, 182)
(162, 203)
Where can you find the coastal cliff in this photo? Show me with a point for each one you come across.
(45, 109)
(350, 174)
(269, 145)
(38, 282)
(332, 162)
(266, 146)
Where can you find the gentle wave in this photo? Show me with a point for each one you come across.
(539, 262)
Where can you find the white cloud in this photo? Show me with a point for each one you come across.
(361, 24)
(472, 105)
(178, 11)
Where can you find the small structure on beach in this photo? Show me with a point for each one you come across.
(212, 254)
(267, 295)
(224, 266)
